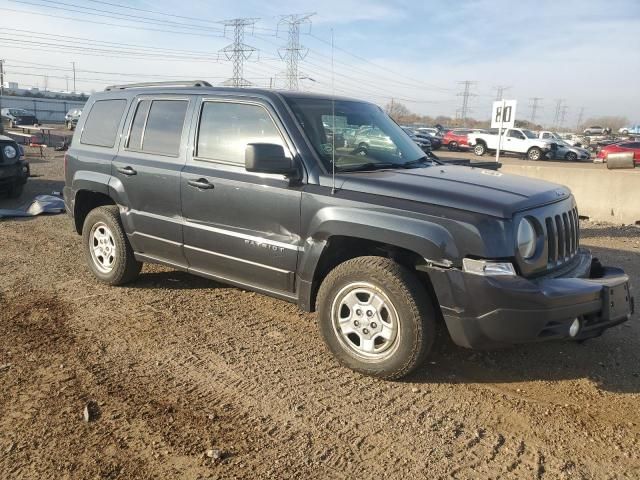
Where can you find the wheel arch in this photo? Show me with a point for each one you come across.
(418, 245)
(85, 201)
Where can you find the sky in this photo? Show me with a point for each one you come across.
(584, 53)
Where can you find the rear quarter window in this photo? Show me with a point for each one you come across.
(101, 127)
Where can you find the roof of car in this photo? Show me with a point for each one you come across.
(265, 92)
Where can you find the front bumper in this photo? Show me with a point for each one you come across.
(14, 174)
(487, 312)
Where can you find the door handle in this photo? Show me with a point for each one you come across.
(201, 183)
(126, 170)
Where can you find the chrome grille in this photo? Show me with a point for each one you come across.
(563, 236)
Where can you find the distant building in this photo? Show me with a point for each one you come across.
(13, 89)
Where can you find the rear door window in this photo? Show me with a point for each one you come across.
(157, 126)
(101, 126)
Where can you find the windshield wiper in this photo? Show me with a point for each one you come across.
(370, 166)
(417, 162)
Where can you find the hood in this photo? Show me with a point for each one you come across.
(470, 189)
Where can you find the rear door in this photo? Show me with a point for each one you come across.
(146, 175)
(239, 226)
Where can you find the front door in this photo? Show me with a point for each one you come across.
(147, 172)
(239, 226)
(515, 142)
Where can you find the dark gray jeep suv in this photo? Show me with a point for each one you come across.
(249, 187)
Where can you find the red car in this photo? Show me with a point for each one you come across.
(621, 148)
(456, 139)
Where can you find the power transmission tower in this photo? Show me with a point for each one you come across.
(294, 51)
(580, 117)
(563, 115)
(237, 52)
(500, 89)
(535, 102)
(556, 116)
(465, 94)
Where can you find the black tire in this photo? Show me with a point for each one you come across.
(16, 190)
(571, 156)
(414, 312)
(625, 132)
(480, 149)
(125, 267)
(453, 146)
(534, 153)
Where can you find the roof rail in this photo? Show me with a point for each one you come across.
(188, 83)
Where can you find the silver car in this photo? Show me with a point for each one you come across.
(570, 152)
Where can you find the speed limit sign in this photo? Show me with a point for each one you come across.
(503, 114)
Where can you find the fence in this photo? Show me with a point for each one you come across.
(47, 110)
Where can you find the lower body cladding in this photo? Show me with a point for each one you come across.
(495, 311)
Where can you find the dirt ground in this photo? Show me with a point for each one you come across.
(192, 379)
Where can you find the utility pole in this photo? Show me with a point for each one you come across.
(535, 101)
(556, 116)
(465, 94)
(500, 89)
(237, 52)
(294, 51)
(74, 76)
(1, 90)
(66, 79)
(580, 117)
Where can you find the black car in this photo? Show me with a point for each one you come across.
(245, 186)
(14, 169)
(14, 117)
(436, 141)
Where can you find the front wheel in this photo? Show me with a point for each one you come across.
(16, 190)
(480, 149)
(534, 153)
(375, 317)
(107, 249)
(453, 146)
(625, 132)
(571, 156)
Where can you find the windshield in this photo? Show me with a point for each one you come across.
(529, 134)
(364, 136)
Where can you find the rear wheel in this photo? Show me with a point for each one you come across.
(480, 149)
(107, 249)
(571, 156)
(375, 317)
(534, 153)
(453, 146)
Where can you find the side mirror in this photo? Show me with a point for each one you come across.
(267, 158)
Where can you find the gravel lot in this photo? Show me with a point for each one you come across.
(196, 380)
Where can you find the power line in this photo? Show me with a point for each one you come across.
(238, 51)
(465, 94)
(535, 102)
(294, 51)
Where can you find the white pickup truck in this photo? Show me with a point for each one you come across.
(514, 140)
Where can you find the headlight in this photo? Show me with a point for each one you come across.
(10, 152)
(526, 239)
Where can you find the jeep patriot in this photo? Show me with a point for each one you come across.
(249, 187)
